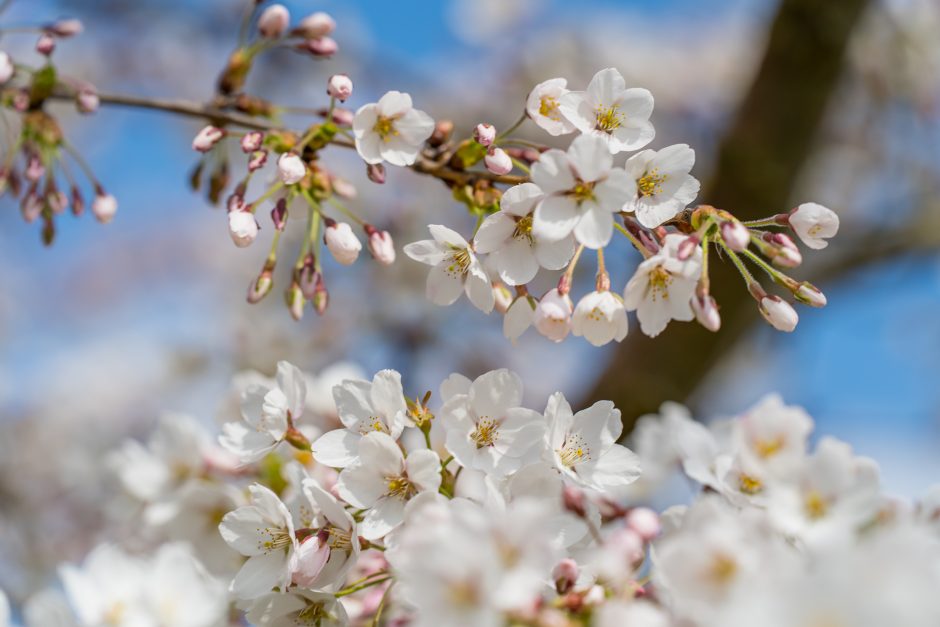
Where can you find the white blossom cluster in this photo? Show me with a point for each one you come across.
(485, 512)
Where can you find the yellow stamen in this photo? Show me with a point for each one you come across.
(723, 569)
(608, 119)
(523, 228)
(400, 487)
(548, 106)
(485, 433)
(574, 451)
(385, 127)
(815, 505)
(651, 183)
(749, 484)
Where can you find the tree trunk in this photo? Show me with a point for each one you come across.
(758, 163)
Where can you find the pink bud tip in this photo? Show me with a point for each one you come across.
(736, 235)
(497, 161)
(273, 21)
(644, 521)
(484, 134)
(340, 87)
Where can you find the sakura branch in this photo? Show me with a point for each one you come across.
(364, 506)
(538, 210)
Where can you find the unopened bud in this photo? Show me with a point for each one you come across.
(297, 439)
(104, 206)
(57, 201)
(295, 301)
(443, 129)
(260, 286)
(787, 258)
(381, 245)
(342, 242)
(65, 28)
(736, 235)
(321, 47)
(340, 87)
(376, 173)
(484, 134)
(87, 100)
(343, 188)
(78, 202)
(645, 522)
(687, 247)
(316, 25)
(31, 207)
(279, 214)
(565, 574)
(252, 142)
(273, 21)
(291, 168)
(34, 170)
(497, 161)
(809, 294)
(206, 139)
(45, 45)
(779, 313)
(573, 500)
(706, 312)
(242, 227)
(257, 160)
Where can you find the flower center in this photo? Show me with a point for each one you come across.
(338, 538)
(659, 280)
(463, 593)
(400, 487)
(548, 106)
(749, 484)
(769, 448)
(651, 183)
(459, 262)
(485, 433)
(815, 505)
(385, 127)
(574, 451)
(582, 191)
(373, 423)
(312, 614)
(274, 539)
(723, 569)
(523, 228)
(608, 119)
(814, 230)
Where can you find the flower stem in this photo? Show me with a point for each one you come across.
(633, 240)
(352, 590)
(519, 122)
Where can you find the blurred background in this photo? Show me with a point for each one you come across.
(784, 102)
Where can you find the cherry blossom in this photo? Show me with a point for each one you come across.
(454, 269)
(542, 106)
(662, 288)
(814, 224)
(391, 130)
(664, 186)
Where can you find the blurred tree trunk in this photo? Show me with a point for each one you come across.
(759, 161)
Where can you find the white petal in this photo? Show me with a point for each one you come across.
(293, 384)
(595, 228)
(338, 448)
(259, 575)
(248, 444)
(361, 485)
(552, 173)
(479, 290)
(398, 151)
(426, 251)
(446, 236)
(606, 87)
(424, 469)
(493, 233)
(443, 287)
(520, 200)
(385, 516)
(555, 218)
(394, 104)
(576, 107)
(239, 529)
(632, 136)
(518, 318)
(516, 262)
(415, 126)
(590, 158)
(554, 255)
(492, 393)
(616, 468)
(353, 400)
(615, 190)
(388, 397)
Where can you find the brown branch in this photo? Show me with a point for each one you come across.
(221, 117)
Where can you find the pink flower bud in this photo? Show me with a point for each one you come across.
(565, 575)
(207, 138)
(316, 25)
(809, 294)
(46, 44)
(35, 170)
(257, 160)
(311, 557)
(376, 173)
(342, 242)
(484, 134)
(343, 188)
(279, 214)
(7, 69)
(706, 312)
(779, 313)
(340, 87)
(66, 28)
(788, 258)
(104, 206)
(645, 522)
(87, 100)
(291, 168)
(322, 47)
(243, 228)
(31, 207)
(553, 315)
(273, 21)
(626, 542)
(294, 299)
(252, 142)
(573, 500)
(57, 201)
(687, 247)
(736, 235)
(260, 286)
(497, 161)
(381, 245)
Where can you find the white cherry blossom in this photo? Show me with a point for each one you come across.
(600, 317)
(610, 111)
(542, 106)
(454, 269)
(382, 480)
(583, 192)
(664, 185)
(391, 130)
(814, 224)
(516, 252)
(363, 407)
(299, 607)
(663, 286)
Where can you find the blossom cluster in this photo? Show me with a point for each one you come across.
(336, 500)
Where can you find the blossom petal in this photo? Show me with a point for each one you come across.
(415, 126)
(293, 384)
(385, 516)
(394, 104)
(337, 449)
(606, 87)
(424, 469)
(555, 218)
(521, 199)
(494, 232)
(516, 262)
(426, 251)
(595, 228)
(590, 158)
(446, 236)
(492, 393)
(554, 255)
(259, 575)
(552, 172)
(443, 287)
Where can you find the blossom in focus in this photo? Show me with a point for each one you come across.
(663, 286)
(391, 130)
(583, 192)
(342, 242)
(611, 112)
(600, 317)
(664, 185)
(454, 269)
(779, 313)
(814, 224)
(242, 227)
(553, 315)
(542, 106)
(516, 252)
(291, 168)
